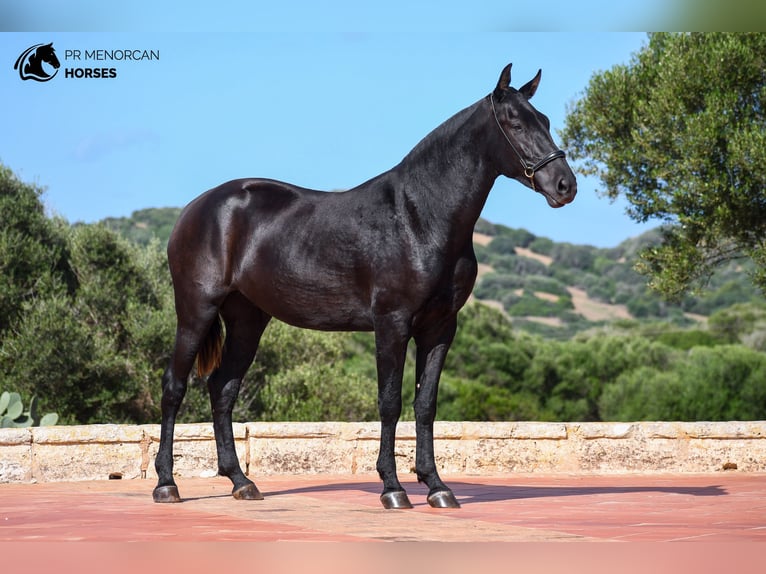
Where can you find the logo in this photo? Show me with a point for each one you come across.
(40, 63)
(30, 63)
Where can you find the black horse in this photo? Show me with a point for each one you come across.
(393, 255)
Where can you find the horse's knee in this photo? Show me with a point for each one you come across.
(390, 411)
(390, 404)
(425, 411)
(173, 390)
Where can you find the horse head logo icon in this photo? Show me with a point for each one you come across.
(30, 63)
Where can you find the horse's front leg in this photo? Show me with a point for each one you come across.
(431, 353)
(391, 352)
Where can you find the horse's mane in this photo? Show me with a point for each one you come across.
(442, 132)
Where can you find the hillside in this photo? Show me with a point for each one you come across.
(554, 289)
(145, 224)
(557, 289)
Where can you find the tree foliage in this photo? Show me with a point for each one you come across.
(681, 133)
(95, 354)
(33, 250)
(84, 314)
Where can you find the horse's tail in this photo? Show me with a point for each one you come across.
(209, 355)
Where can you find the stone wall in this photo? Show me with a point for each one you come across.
(98, 451)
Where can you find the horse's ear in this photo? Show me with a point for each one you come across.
(503, 83)
(528, 90)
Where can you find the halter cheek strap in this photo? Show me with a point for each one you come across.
(529, 168)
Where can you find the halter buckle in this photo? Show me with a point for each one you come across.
(529, 171)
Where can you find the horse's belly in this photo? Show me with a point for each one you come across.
(323, 316)
(312, 303)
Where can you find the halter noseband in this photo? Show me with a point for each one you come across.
(529, 169)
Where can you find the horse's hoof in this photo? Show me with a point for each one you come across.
(247, 492)
(395, 499)
(166, 494)
(443, 499)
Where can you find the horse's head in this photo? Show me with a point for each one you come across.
(47, 54)
(525, 147)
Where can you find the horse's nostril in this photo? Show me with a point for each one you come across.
(563, 186)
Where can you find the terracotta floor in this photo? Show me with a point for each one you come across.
(716, 507)
(721, 507)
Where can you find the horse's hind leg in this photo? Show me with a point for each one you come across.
(190, 332)
(245, 324)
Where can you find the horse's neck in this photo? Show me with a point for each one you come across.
(34, 62)
(448, 175)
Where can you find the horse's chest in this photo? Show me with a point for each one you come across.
(450, 288)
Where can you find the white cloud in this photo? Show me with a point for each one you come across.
(98, 145)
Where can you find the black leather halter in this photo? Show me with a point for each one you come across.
(529, 168)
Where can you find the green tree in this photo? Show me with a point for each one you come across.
(33, 251)
(707, 383)
(95, 352)
(300, 375)
(744, 322)
(468, 400)
(681, 133)
(570, 376)
(486, 350)
(643, 394)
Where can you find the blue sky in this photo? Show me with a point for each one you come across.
(325, 109)
(306, 16)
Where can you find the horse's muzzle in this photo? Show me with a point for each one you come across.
(566, 189)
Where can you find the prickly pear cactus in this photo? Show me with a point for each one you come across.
(14, 416)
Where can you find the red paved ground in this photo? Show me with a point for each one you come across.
(211, 532)
(720, 507)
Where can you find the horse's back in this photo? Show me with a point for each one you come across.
(286, 248)
(221, 206)
(266, 195)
